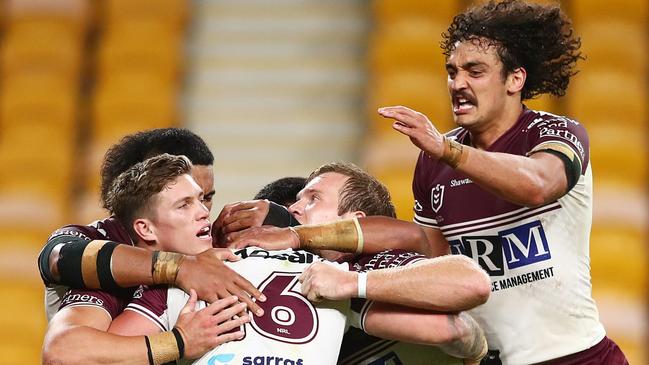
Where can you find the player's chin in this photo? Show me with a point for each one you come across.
(199, 244)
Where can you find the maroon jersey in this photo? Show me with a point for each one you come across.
(60, 296)
(541, 306)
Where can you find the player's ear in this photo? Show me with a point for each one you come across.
(145, 230)
(358, 214)
(516, 80)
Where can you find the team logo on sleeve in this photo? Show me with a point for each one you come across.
(437, 197)
(418, 207)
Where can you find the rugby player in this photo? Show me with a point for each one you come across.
(168, 204)
(89, 256)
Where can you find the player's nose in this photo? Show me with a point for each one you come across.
(296, 209)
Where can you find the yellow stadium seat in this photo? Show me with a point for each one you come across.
(140, 44)
(631, 11)
(41, 45)
(619, 154)
(614, 44)
(609, 97)
(24, 321)
(33, 238)
(389, 11)
(36, 117)
(407, 45)
(620, 252)
(173, 12)
(63, 10)
(399, 182)
(118, 111)
(25, 208)
(423, 92)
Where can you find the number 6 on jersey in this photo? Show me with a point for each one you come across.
(288, 316)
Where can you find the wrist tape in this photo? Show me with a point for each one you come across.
(165, 267)
(344, 236)
(362, 285)
(87, 264)
(454, 153)
(165, 347)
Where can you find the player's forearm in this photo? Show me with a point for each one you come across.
(457, 334)
(518, 179)
(383, 233)
(87, 346)
(131, 266)
(107, 265)
(447, 283)
(368, 235)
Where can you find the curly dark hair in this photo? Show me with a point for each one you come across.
(282, 191)
(537, 37)
(139, 146)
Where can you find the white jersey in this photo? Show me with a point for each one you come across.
(541, 306)
(292, 330)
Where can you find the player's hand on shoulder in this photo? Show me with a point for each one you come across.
(214, 325)
(266, 237)
(213, 280)
(323, 281)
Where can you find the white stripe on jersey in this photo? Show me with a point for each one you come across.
(500, 222)
(148, 314)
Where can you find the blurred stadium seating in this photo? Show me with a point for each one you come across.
(276, 90)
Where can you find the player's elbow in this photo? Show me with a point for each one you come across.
(417, 236)
(536, 197)
(476, 283)
(57, 350)
(536, 192)
(481, 286)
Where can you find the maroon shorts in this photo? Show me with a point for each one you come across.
(606, 352)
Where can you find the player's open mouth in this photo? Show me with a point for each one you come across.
(462, 104)
(204, 233)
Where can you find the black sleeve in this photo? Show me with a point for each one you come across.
(279, 216)
(69, 241)
(572, 167)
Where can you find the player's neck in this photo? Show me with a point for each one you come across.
(483, 138)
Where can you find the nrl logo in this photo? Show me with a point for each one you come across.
(437, 197)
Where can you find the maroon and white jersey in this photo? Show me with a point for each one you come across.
(60, 296)
(538, 258)
(292, 329)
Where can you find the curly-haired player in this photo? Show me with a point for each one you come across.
(512, 187)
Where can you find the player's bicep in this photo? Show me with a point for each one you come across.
(88, 316)
(399, 323)
(558, 175)
(131, 323)
(437, 242)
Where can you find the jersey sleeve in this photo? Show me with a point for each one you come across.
(68, 235)
(564, 138)
(112, 303)
(151, 302)
(383, 260)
